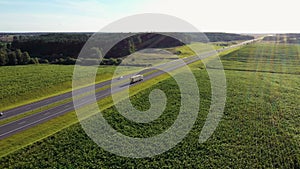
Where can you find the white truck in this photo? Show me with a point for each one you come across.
(136, 78)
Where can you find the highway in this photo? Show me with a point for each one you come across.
(27, 122)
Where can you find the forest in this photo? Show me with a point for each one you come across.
(64, 48)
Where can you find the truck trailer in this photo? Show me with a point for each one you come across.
(136, 78)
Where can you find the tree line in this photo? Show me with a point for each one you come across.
(64, 48)
(15, 57)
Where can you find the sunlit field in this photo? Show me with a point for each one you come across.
(260, 127)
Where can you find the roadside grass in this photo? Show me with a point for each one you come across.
(20, 116)
(49, 106)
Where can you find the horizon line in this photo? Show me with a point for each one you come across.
(25, 32)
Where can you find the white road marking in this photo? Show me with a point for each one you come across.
(22, 122)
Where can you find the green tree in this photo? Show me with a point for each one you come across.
(19, 57)
(12, 58)
(3, 59)
(131, 46)
(34, 61)
(8, 45)
(25, 57)
(2, 45)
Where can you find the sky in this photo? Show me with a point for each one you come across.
(235, 16)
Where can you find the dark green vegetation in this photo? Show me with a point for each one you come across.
(220, 37)
(259, 129)
(14, 57)
(64, 48)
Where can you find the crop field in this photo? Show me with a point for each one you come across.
(260, 127)
(265, 57)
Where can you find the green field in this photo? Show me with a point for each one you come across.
(260, 127)
(268, 57)
(26, 83)
(185, 51)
